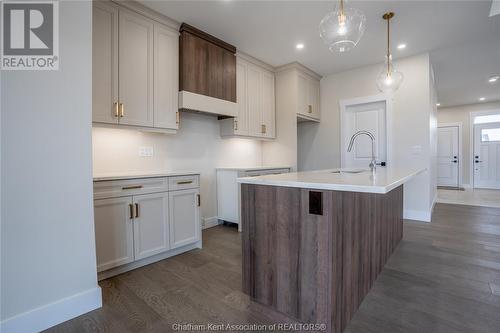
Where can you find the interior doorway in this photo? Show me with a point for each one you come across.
(449, 157)
(370, 114)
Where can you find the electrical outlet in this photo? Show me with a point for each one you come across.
(146, 151)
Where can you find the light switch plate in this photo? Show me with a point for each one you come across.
(146, 151)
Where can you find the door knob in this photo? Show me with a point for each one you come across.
(454, 157)
(455, 161)
(477, 161)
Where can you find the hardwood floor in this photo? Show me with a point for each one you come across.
(443, 277)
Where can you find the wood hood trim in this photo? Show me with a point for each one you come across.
(203, 35)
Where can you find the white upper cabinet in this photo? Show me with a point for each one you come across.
(307, 97)
(105, 63)
(256, 103)
(135, 69)
(166, 77)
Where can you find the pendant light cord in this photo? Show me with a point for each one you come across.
(388, 46)
(342, 7)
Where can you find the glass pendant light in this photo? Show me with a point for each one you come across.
(389, 79)
(342, 29)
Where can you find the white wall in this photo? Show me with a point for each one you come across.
(433, 137)
(319, 144)
(48, 270)
(461, 114)
(196, 147)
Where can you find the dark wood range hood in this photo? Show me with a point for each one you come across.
(207, 78)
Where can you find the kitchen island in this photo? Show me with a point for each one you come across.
(314, 242)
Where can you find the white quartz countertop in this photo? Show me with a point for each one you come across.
(135, 175)
(384, 180)
(255, 168)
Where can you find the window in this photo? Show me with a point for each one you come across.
(492, 118)
(490, 134)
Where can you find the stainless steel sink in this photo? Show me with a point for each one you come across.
(349, 171)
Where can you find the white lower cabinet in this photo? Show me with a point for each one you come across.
(113, 232)
(184, 217)
(134, 228)
(151, 227)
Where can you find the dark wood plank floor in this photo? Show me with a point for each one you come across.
(443, 277)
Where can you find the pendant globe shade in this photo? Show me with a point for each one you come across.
(342, 28)
(389, 79)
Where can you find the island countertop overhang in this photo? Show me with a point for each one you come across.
(384, 180)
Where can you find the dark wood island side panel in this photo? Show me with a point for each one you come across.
(316, 268)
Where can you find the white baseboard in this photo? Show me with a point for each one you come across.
(54, 313)
(466, 185)
(210, 222)
(417, 215)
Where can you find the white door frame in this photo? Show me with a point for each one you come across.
(344, 103)
(472, 115)
(459, 125)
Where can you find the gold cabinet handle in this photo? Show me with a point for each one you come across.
(136, 210)
(122, 110)
(115, 107)
(177, 118)
(133, 187)
(182, 182)
(131, 210)
(263, 129)
(310, 109)
(235, 125)
(199, 199)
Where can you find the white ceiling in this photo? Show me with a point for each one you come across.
(463, 40)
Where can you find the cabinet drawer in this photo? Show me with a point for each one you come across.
(183, 182)
(120, 188)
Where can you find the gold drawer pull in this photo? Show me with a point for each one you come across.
(136, 210)
(116, 109)
(122, 111)
(182, 182)
(199, 199)
(310, 109)
(133, 187)
(263, 129)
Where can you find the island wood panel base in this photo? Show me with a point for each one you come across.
(316, 268)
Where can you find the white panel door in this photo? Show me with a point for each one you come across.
(487, 155)
(166, 77)
(104, 63)
(303, 94)
(113, 232)
(136, 69)
(151, 227)
(447, 156)
(241, 122)
(314, 98)
(184, 217)
(254, 101)
(369, 117)
(267, 108)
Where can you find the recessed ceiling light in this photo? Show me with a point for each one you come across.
(438, 104)
(401, 46)
(299, 46)
(482, 99)
(493, 79)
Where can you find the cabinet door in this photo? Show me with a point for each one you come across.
(151, 230)
(241, 122)
(184, 217)
(136, 69)
(313, 95)
(254, 101)
(303, 94)
(104, 63)
(267, 106)
(113, 232)
(166, 77)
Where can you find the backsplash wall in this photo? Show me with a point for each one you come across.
(197, 146)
